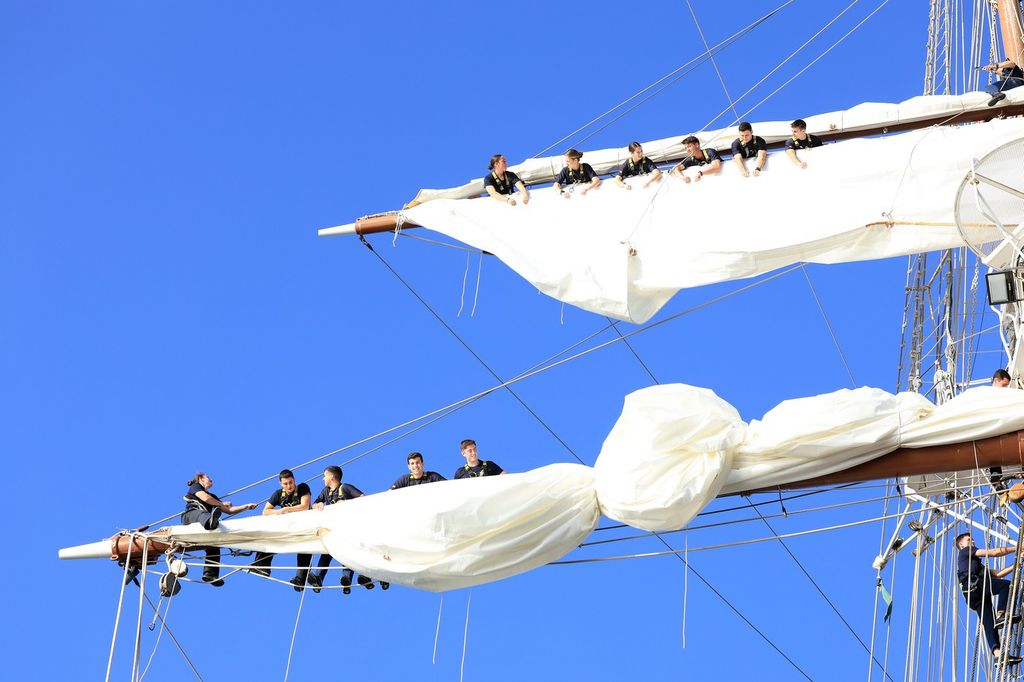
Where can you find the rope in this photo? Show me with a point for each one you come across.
(138, 626)
(714, 63)
(156, 644)
(291, 647)
(465, 637)
(696, 61)
(437, 630)
(462, 296)
(831, 331)
(117, 618)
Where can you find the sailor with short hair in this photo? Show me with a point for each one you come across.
(637, 164)
(749, 146)
(801, 139)
(202, 506)
(979, 584)
(334, 492)
(474, 466)
(1001, 378)
(576, 174)
(416, 475)
(287, 499)
(697, 157)
(501, 183)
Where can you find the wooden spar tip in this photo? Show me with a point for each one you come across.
(130, 548)
(385, 222)
(1004, 450)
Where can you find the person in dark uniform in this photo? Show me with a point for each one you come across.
(707, 160)
(1010, 76)
(576, 174)
(801, 139)
(202, 506)
(474, 466)
(749, 146)
(501, 183)
(416, 475)
(286, 500)
(334, 492)
(979, 585)
(637, 165)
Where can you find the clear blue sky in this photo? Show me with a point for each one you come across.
(167, 306)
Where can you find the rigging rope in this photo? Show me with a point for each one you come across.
(437, 630)
(117, 617)
(159, 635)
(831, 331)
(465, 637)
(714, 63)
(295, 630)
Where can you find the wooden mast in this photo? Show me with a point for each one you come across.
(1009, 26)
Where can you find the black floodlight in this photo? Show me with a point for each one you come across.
(1002, 287)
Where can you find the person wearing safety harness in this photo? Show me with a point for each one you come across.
(576, 174)
(416, 475)
(202, 506)
(801, 140)
(334, 492)
(637, 164)
(474, 467)
(979, 585)
(500, 183)
(699, 158)
(287, 499)
(749, 146)
(1010, 76)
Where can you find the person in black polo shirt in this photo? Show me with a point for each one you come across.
(416, 475)
(801, 140)
(576, 174)
(287, 499)
(202, 506)
(707, 160)
(500, 183)
(1010, 76)
(334, 492)
(474, 466)
(749, 146)
(979, 585)
(637, 165)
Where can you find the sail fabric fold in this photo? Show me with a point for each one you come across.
(662, 434)
(673, 449)
(625, 253)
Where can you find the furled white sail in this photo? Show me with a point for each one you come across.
(673, 449)
(625, 253)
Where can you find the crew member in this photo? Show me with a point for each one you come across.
(474, 466)
(749, 146)
(576, 174)
(636, 165)
(501, 183)
(202, 506)
(979, 585)
(801, 139)
(288, 499)
(1001, 378)
(706, 160)
(1010, 76)
(334, 492)
(416, 475)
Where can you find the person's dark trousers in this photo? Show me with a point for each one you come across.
(323, 562)
(304, 561)
(210, 521)
(1000, 589)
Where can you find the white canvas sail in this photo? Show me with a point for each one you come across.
(673, 449)
(625, 253)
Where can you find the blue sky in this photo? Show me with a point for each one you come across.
(168, 306)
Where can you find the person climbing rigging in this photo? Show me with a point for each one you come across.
(707, 160)
(501, 183)
(576, 174)
(474, 466)
(287, 499)
(979, 585)
(416, 475)
(801, 139)
(203, 507)
(1010, 76)
(749, 146)
(637, 165)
